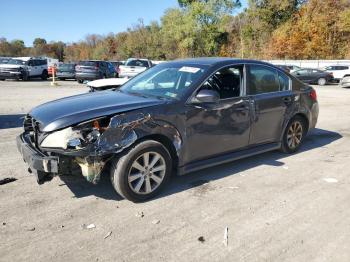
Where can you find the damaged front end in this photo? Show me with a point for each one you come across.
(83, 148)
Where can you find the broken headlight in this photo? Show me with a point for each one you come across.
(76, 137)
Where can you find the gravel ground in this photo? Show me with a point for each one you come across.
(276, 207)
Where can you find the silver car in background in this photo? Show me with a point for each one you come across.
(345, 82)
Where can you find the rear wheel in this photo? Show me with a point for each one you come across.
(44, 75)
(322, 81)
(293, 135)
(142, 172)
(80, 81)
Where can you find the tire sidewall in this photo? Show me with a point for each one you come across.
(321, 81)
(120, 170)
(44, 75)
(285, 146)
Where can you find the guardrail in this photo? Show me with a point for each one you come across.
(309, 63)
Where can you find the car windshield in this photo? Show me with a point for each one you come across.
(16, 62)
(66, 66)
(88, 63)
(137, 62)
(166, 81)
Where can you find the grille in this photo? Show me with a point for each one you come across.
(27, 124)
(31, 126)
(9, 69)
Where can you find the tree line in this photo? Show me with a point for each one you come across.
(266, 29)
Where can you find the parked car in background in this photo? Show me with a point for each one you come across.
(116, 65)
(104, 84)
(4, 60)
(112, 70)
(293, 68)
(133, 67)
(345, 82)
(92, 70)
(66, 71)
(174, 118)
(313, 76)
(24, 68)
(339, 71)
(284, 67)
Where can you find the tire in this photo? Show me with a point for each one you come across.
(322, 81)
(130, 182)
(44, 75)
(25, 77)
(80, 81)
(297, 124)
(2, 79)
(63, 79)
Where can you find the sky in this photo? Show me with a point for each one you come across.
(72, 20)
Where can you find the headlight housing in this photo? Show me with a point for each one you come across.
(76, 137)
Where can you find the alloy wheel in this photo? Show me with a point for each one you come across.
(294, 135)
(146, 173)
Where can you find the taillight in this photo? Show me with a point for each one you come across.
(313, 95)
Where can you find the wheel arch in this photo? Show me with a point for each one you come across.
(166, 142)
(305, 118)
(297, 114)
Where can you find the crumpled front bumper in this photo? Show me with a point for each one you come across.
(42, 166)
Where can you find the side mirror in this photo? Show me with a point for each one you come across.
(208, 96)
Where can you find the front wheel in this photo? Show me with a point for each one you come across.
(322, 82)
(293, 135)
(142, 172)
(80, 81)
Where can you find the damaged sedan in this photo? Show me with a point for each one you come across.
(174, 118)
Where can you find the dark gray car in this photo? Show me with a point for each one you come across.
(66, 71)
(177, 117)
(313, 76)
(93, 69)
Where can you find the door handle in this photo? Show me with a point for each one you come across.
(287, 99)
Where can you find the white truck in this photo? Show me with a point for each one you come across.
(24, 68)
(133, 67)
(338, 71)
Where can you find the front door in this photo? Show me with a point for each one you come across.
(214, 129)
(304, 75)
(272, 98)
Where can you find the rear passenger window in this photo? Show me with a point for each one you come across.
(283, 81)
(262, 79)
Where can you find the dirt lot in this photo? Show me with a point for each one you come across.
(277, 207)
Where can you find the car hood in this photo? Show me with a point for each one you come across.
(10, 66)
(72, 110)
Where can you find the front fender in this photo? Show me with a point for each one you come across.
(126, 129)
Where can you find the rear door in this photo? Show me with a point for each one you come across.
(271, 98)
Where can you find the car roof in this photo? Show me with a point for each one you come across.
(142, 59)
(218, 61)
(338, 65)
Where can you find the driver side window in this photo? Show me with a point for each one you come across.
(227, 82)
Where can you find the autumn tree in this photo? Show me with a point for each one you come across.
(320, 30)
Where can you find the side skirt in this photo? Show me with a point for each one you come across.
(202, 164)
